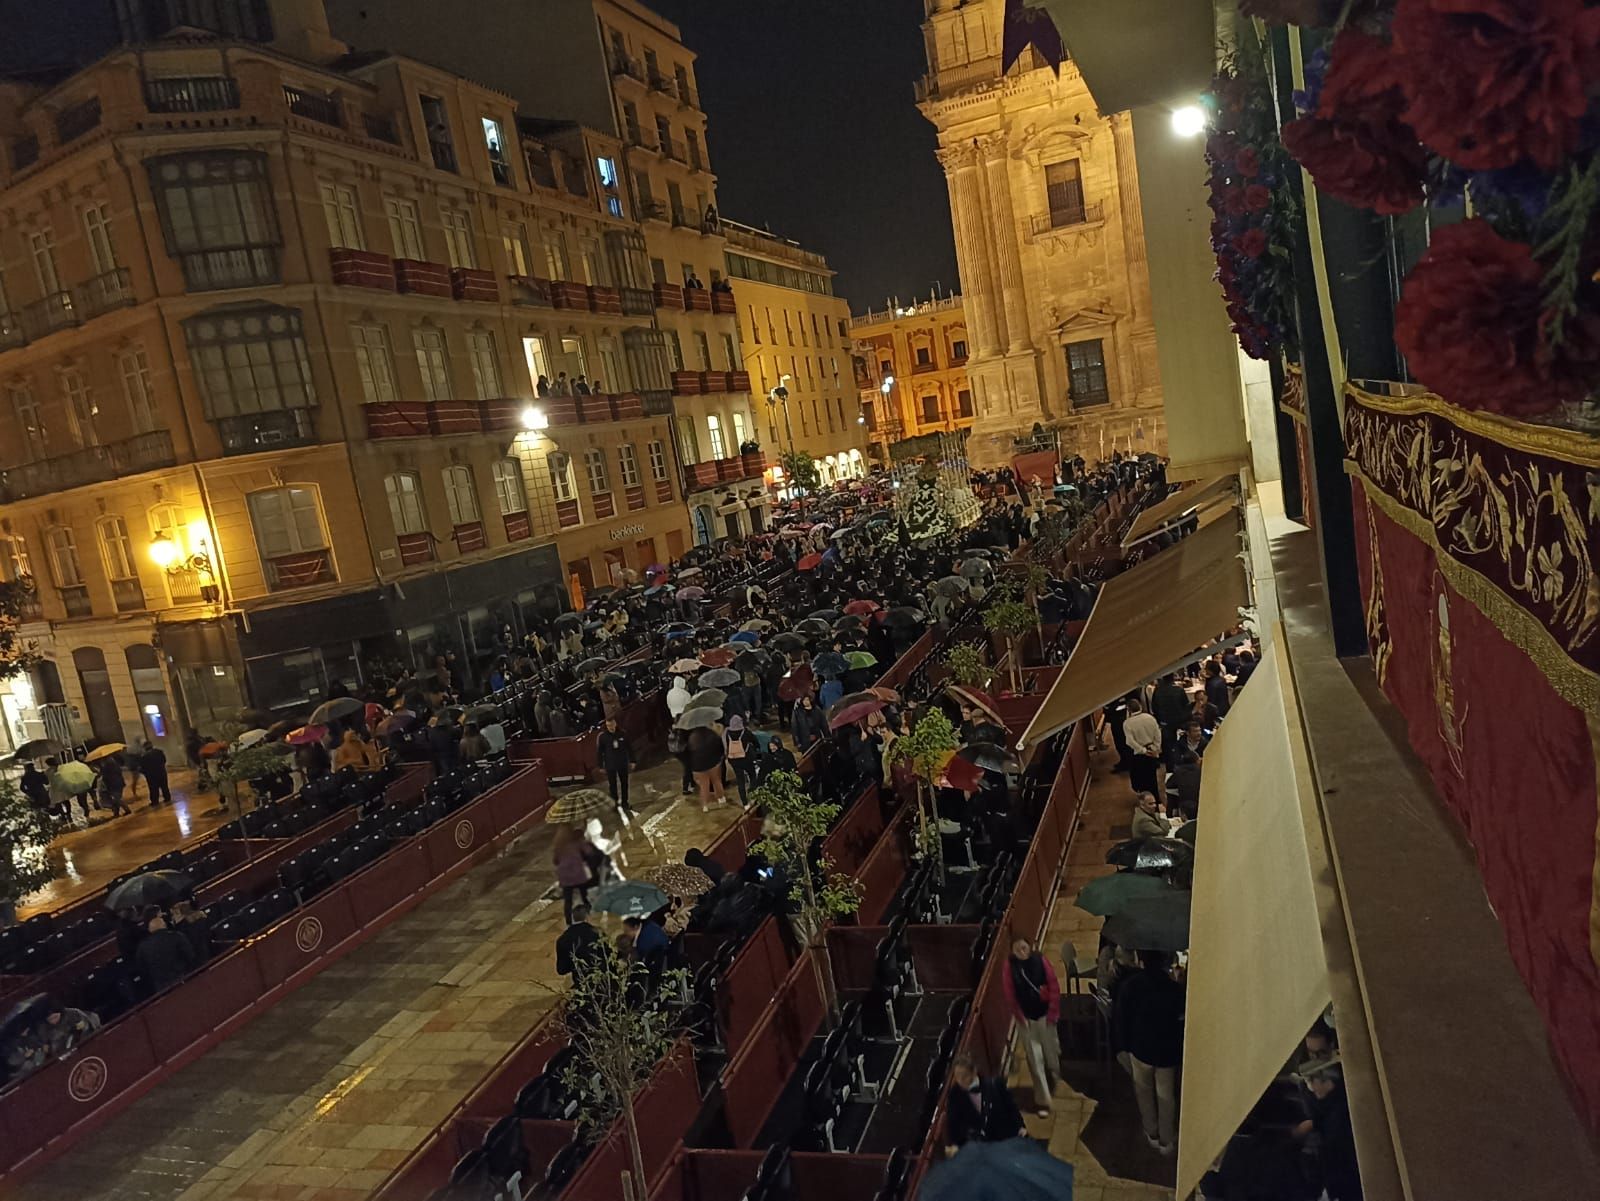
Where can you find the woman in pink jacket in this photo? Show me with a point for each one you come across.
(1035, 998)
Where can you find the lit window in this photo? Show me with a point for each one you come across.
(217, 216)
(658, 461)
(514, 240)
(560, 464)
(433, 363)
(594, 462)
(458, 237)
(485, 364)
(404, 228)
(508, 489)
(97, 232)
(461, 494)
(81, 409)
(714, 428)
(117, 548)
(250, 360)
(375, 363)
(342, 212)
(607, 170)
(628, 465)
(404, 490)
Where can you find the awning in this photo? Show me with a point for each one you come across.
(1147, 621)
(1257, 974)
(1215, 491)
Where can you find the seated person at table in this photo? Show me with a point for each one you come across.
(164, 956)
(1148, 819)
(1192, 739)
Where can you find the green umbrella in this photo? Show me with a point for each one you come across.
(1187, 832)
(629, 898)
(1111, 894)
(1153, 923)
(76, 777)
(861, 659)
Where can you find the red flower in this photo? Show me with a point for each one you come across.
(1355, 145)
(1247, 161)
(1233, 201)
(1469, 323)
(1492, 82)
(1253, 242)
(1256, 198)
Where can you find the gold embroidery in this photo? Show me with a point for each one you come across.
(1444, 683)
(1572, 445)
(1377, 615)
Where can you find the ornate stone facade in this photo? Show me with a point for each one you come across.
(1044, 201)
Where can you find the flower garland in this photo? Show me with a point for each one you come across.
(1252, 209)
(1421, 100)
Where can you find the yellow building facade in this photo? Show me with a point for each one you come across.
(911, 370)
(1044, 202)
(795, 337)
(271, 338)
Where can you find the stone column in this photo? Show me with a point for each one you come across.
(1003, 228)
(1132, 218)
(972, 246)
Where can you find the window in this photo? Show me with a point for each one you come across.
(458, 237)
(652, 65)
(117, 548)
(838, 402)
(702, 346)
(404, 490)
(375, 361)
(681, 74)
(714, 427)
(630, 122)
(80, 406)
(964, 400)
(485, 364)
(930, 410)
(250, 360)
(342, 212)
(730, 351)
(137, 390)
(538, 358)
(541, 167)
(589, 256)
(628, 466)
(738, 429)
(514, 241)
(788, 330)
(664, 135)
(924, 356)
(610, 378)
(64, 565)
(675, 349)
(25, 407)
(432, 362)
(646, 195)
(1063, 189)
(755, 330)
(461, 494)
(404, 228)
(97, 232)
(885, 368)
(557, 265)
(958, 349)
(495, 144)
(217, 216)
(828, 409)
(508, 490)
(436, 120)
(42, 249)
(287, 521)
(606, 169)
(1086, 374)
(14, 561)
(573, 355)
(692, 138)
(560, 464)
(594, 462)
(658, 461)
(675, 206)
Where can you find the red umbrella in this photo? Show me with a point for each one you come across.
(808, 563)
(212, 749)
(977, 698)
(306, 735)
(961, 773)
(884, 694)
(796, 684)
(842, 715)
(720, 657)
(860, 608)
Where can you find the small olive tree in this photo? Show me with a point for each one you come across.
(794, 822)
(1011, 619)
(966, 665)
(927, 749)
(619, 1029)
(246, 764)
(25, 834)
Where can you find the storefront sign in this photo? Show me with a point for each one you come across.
(626, 531)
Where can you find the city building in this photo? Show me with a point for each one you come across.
(273, 318)
(911, 370)
(794, 333)
(616, 66)
(1044, 199)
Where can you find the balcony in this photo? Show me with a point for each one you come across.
(91, 465)
(11, 332)
(502, 172)
(470, 283)
(109, 290)
(531, 291)
(687, 97)
(323, 108)
(668, 296)
(24, 152)
(657, 402)
(361, 268)
(567, 294)
(128, 595)
(421, 278)
(697, 300)
(1067, 218)
(662, 84)
(671, 148)
(468, 537)
(722, 302)
(299, 570)
(75, 598)
(652, 210)
(48, 314)
(699, 476)
(605, 300)
(74, 122)
(624, 67)
(274, 430)
(192, 94)
(240, 267)
(380, 127)
(683, 219)
(444, 155)
(416, 548)
(636, 302)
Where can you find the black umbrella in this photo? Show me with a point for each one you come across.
(830, 663)
(990, 756)
(148, 888)
(38, 748)
(719, 677)
(813, 626)
(849, 621)
(1151, 854)
(23, 1014)
(569, 621)
(331, 711)
(591, 666)
(1155, 923)
(751, 661)
(987, 731)
(824, 615)
(904, 615)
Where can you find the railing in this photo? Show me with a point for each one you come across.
(75, 598)
(657, 401)
(48, 314)
(637, 302)
(91, 465)
(324, 109)
(662, 84)
(381, 128)
(193, 94)
(266, 431)
(687, 97)
(762, 242)
(78, 120)
(299, 570)
(622, 65)
(685, 220)
(1086, 214)
(914, 309)
(652, 210)
(109, 290)
(673, 149)
(241, 267)
(12, 334)
(502, 172)
(637, 137)
(444, 154)
(24, 152)
(128, 595)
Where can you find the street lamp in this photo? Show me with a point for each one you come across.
(169, 556)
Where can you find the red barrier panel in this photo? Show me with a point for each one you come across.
(730, 847)
(834, 1176)
(721, 1175)
(288, 947)
(457, 835)
(849, 842)
(564, 759)
(181, 1017)
(754, 1079)
(755, 975)
(376, 889)
(520, 799)
(663, 1113)
(884, 869)
(405, 788)
(943, 956)
(850, 951)
(495, 1095)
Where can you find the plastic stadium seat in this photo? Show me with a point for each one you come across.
(504, 1152)
(895, 1174)
(229, 930)
(39, 927)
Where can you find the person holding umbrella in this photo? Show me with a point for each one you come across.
(73, 780)
(615, 754)
(35, 785)
(113, 783)
(164, 956)
(807, 723)
(572, 856)
(703, 752)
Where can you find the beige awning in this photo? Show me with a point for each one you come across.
(1257, 974)
(1146, 621)
(1217, 490)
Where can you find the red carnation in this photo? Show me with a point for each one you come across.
(1233, 202)
(1256, 198)
(1468, 322)
(1253, 242)
(1247, 161)
(1493, 82)
(1355, 145)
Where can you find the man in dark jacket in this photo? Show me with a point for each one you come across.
(1147, 1028)
(978, 1108)
(616, 757)
(35, 785)
(1170, 706)
(579, 945)
(164, 956)
(153, 767)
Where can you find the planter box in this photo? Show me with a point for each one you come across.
(626, 406)
(668, 296)
(469, 537)
(754, 463)
(730, 469)
(526, 289)
(738, 381)
(697, 300)
(502, 413)
(468, 283)
(362, 268)
(594, 408)
(567, 513)
(606, 300)
(518, 527)
(604, 506)
(565, 294)
(686, 383)
(422, 279)
(560, 410)
(713, 381)
(415, 548)
(457, 417)
(402, 419)
(722, 302)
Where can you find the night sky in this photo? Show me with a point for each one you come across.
(813, 132)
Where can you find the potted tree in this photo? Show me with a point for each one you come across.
(1011, 619)
(927, 749)
(25, 834)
